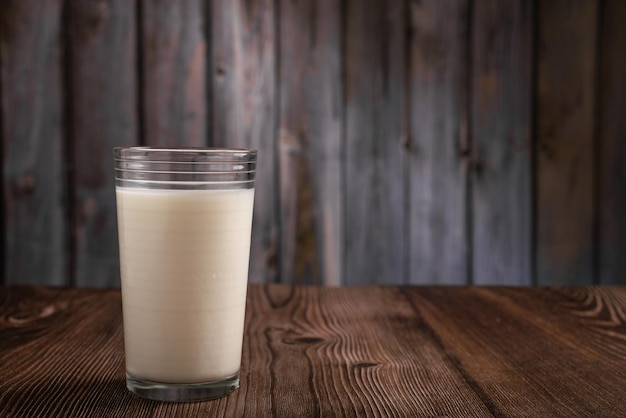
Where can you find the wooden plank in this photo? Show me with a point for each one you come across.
(374, 133)
(310, 142)
(350, 365)
(565, 128)
(501, 126)
(33, 181)
(103, 115)
(438, 142)
(244, 111)
(611, 130)
(173, 73)
(533, 351)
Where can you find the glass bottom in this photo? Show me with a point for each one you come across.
(182, 392)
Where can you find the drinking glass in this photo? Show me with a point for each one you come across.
(184, 224)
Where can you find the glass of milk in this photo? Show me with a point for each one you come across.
(184, 223)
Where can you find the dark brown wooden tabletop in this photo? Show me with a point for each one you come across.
(359, 351)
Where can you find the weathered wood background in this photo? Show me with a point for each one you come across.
(402, 141)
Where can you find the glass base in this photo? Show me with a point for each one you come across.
(182, 392)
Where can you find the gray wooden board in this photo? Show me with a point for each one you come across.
(173, 49)
(33, 176)
(438, 139)
(244, 111)
(501, 124)
(375, 215)
(612, 136)
(104, 115)
(310, 158)
(565, 144)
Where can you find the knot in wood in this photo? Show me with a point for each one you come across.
(25, 185)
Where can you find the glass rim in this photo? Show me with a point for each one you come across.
(184, 148)
(147, 153)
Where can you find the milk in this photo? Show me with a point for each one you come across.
(184, 264)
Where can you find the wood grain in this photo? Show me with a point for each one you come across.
(33, 178)
(375, 213)
(502, 195)
(174, 96)
(345, 352)
(438, 143)
(310, 142)
(547, 347)
(73, 379)
(102, 84)
(611, 135)
(565, 123)
(244, 111)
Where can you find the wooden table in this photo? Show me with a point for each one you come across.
(362, 351)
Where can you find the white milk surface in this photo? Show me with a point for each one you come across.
(184, 263)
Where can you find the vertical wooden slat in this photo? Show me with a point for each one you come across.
(35, 239)
(104, 114)
(374, 182)
(310, 141)
(612, 136)
(502, 151)
(173, 72)
(565, 122)
(438, 142)
(244, 111)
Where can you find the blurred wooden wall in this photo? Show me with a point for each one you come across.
(401, 141)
